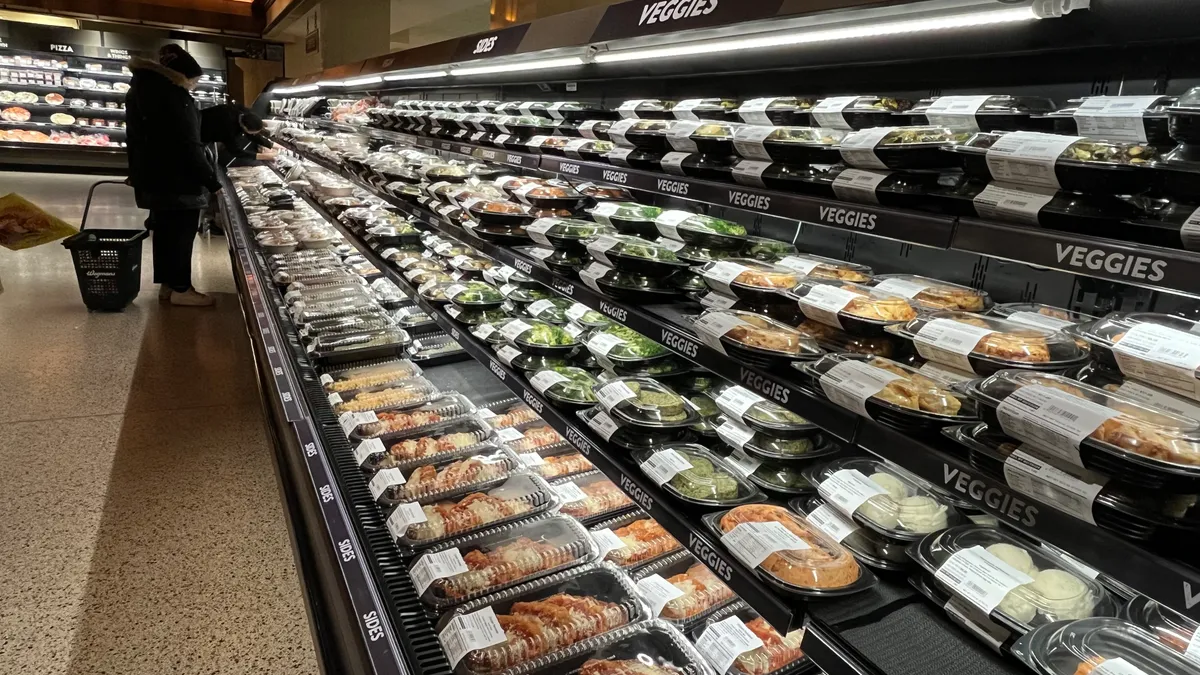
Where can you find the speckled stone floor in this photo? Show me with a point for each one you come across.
(141, 530)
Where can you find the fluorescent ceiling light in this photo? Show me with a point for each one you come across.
(982, 18)
(518, 67)
(358, 82)
(296, 90)
(330, 83)
(39, 19)
(415, 76)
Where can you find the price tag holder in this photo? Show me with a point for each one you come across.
(1052, 420)
(980, 578)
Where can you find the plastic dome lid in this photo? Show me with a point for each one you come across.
(950, 337)
(883, 497)
(1099, 646)
(693, 474)
(643, 401)
(820, 267)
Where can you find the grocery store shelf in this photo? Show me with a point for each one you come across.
(936, 459)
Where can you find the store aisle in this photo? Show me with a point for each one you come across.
(141, 530)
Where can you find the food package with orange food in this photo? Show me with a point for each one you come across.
(535, 627)
(465, 568)
(24, 225)
(1100, 646)
(405, 417)
(591, 497)
(633, 540)
(681, 590)
(450, 439)
(647, 648)
(489, 466)
(374, 375)
(776, 655)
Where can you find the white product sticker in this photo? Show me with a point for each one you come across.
(384, 479)
(683, 110)
(577, 311)
(507, 289)
(514, 328)
(485, 413)
(531, 459)
(1190, 231)
(672, 163)
(1038, 320)
(326, 380)
(670, 244)
(573, 146)
(858, 185)
(980, 577)
(1161, 356)
(663, 465)
(752, 543)
(945, 374)
(535, 142)
(823, 302)
(387, 253)
(602, 424)
(613, 393)
(748, 142)
(657, 592)
(540, 307)
(735, 401)
(588, 130)
(668, 222)
(1028, 157)
(628, 109)
(454, 289)
(363, 451)
(1051, 419)
(405, 516)
(507, 353)
(1114, 118)
(540, 253)
(502, 138)
(828, 112)
(1070, 489)
(407, 263)
(714, 300)
(722, 273)
(858, 148)
(743, 463)
(956, 112)
(350, 421)
(827, 519)
(468, 632)
(975, 621)
(848, 489)
(607, 541)
(1159, 399)
(754, 111)
(440, 565)
(544, 379)
(734, 435)
(569, 493)
(509, 435)
(1012, 204)
(460, 260)
(483, 331)
(573, 329)
(1117, 666)
(850, 383)
(750, 172)
(797, 264)
(334, 399)
(616, 132)
(679, 136)
(604, 211)
(711, 326)
(724, 641)
(948, 341)
(600, 246)
(601, 344)
(905, 287)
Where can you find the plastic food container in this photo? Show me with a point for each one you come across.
(815, 566)
(1182, 118)
(591, 497)
(1041, 316)
(776, 111)
(535, 438)
(642, 540)
(933, 293)
(1140, 444)
(444, 438)
(856, 309)
(1083, 165)
(460, 512)
(500, 213)
(767, 250)
(473, 295)
(538, 337)
(901, 148)
(405, 416)
(508, 413)
(856, 112)
(702, 592)
(405, 393)
(634, 254)
(713, 138)
(776, 477)
(624, 347)
(1042, 586)
(567, 610)
(692, 474)
(755, 339)
(789, 145)
(819, 267)
(640, 288)
(700, 230)
(882, 497)
(984, 344)
(568, 387)
(1168, 626)
(646, 135)
(474, 316)
(1157, 519)
(646, 109)
(779, 655)
(372, 375)
(764, 445)
(1085, 646)
(1104, 336)
(565, 234)
(635, 438)
(716, 109)
(628, 217)
(644, 402)
(550, 196)
(760, 414)
(605, 193)
(551, 310)
(1000, 112)
(748, 279)
(477, 472)
(466, 568)
(345, 347)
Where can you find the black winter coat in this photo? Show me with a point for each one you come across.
(222, 124)
(167, 165)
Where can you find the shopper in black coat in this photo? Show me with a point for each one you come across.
(238, 132)
(170, 174)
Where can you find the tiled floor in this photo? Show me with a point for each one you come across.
(141, 530)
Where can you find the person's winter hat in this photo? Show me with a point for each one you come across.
(176, 58)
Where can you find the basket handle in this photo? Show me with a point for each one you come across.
(91, 191)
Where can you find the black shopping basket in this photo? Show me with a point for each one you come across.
(108, 263)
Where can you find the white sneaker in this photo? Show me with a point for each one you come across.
(191, 298)
(164, 292)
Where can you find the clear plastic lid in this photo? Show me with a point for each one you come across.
(397, 394)
(568, 229)
(846, 305)
(374, 375)
(778, 654)
(603, 192)
(1153, 436)
(529, 333)
(1170, 627)
(477, 471)
(627, 246)
(544, 622)
(701, 228)
(567, 384)
(447, 515)
(912, 392)
(998, 104)
(606, 212)
(792, 136)
(444, 440)
(715, 131)
(782, 103)
(709, 105)
(933, 293)
(468, 567)
(756, 275)
(926, 136)
(757, 412)
(645, 105)
(643, 401)
(1082, 152)
(1099, 645)
(647, 648)
(1113, 328)
(813, 563)
(782, 477)
(499, 207)
(702, 591)
(1039, 315)
(769, 250)
(406, 417)
(693, 474)
(868, 546)
(952, 337)
(473, 293)
(882, 497)
(337, 343)
(566, 462)
(534, 437)
(763, 444)
(550, 192)
(641, 540)
(633, 348)
(763, 334)
(592, 496)
(1041, 586)
(820, 267)
(551, 310)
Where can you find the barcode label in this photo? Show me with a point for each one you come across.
(1012, 204)
(602, 424)
(827, 113)
(735, 401)
(1051, 419)
(1161, 356)
(439, 565)
(1117, 666)
(750, 172)
(1159, 399)
(721, 273)
(724, 641)
(367, 449)
(679, 137)
(1028, 158)
(748, 142)
(711, 326)
(613, 393)
(734, 435)
(851, 383)
(848, 489)
(406, 515)
(754, 111)
(823, 303)
(606, 541)
(468, 632)
(836, 526)
(950, 342)
(657, 592)
(1071, 489)
(980, 578)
